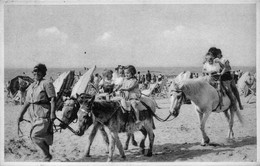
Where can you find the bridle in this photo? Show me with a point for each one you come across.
(182, 95)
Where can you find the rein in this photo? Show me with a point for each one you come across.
(70, 128)
(162, 120)
(20, 133)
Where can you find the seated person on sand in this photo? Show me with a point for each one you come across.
(130, 89)
(106, 85)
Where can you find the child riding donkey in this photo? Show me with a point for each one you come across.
(130, 90)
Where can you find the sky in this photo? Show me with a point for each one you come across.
(144, 35)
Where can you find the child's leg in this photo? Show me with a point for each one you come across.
(230, 94)
(134, 105)
(220, 94)
(236, 93)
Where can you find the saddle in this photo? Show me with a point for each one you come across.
(129, 116)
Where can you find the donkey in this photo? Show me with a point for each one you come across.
(206, 100)
(69, 114)
(112, 116)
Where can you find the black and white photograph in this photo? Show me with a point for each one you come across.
(129, 82)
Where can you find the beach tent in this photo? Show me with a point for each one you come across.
(14, 84)
(62, 87)
(82, 85)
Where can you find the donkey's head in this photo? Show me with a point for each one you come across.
(85, 112)
(69, 111)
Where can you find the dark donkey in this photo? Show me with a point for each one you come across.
(69, 114)
(111, 115)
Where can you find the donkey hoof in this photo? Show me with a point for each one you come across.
(134, 143)
(207, 140)
(123, 157)
(142, 151)
(109, 160)
(149, 153)
(125, 147)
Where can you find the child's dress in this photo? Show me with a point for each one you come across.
(135, 92)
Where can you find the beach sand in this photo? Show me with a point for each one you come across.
(175, 141)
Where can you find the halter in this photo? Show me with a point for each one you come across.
(183, 96)
(89, 113)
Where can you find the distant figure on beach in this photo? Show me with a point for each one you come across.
(143, 79)
(154, 78)
(139, 77)
(148, 76)
(40, 104)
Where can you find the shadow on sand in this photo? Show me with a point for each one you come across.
(174, 152)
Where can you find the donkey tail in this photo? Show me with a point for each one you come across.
(239, 116)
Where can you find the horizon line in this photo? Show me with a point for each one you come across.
(116, 66)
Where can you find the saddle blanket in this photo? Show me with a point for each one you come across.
(127, 104)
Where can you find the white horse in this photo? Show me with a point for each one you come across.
(205, 98)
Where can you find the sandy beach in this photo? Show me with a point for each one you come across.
(175, 141)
